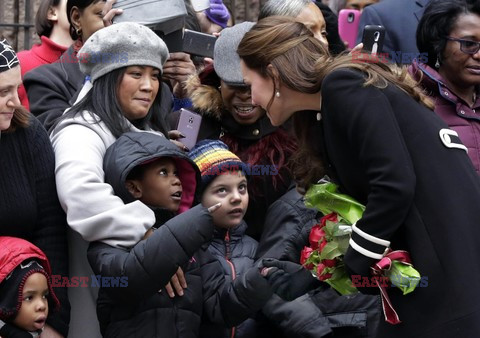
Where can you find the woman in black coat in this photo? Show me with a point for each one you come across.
(29, 206)
(376, 136)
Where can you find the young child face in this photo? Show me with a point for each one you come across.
(160, 185)
(34, 309)
(230, 189)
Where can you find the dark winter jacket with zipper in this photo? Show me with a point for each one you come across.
(139, 309)
(236, 253)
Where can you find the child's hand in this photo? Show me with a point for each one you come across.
(179, 283)
(9, 330)
(214, 208)
(148, 233)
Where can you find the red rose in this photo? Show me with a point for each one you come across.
(322, 244)
(330, 217)
(329, 262)
(320, 275)
(306, 252)
(316, 234)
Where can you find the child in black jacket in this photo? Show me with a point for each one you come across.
(150, 168)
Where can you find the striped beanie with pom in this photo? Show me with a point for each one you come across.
(213, 159)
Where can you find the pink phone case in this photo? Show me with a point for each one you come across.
(189, 125)
(348, 20)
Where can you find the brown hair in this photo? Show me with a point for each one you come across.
(21, 119)
(43, 26)
(301, 63)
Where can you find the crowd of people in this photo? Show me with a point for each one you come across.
(111, 227)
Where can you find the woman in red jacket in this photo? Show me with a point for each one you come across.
(51, 25)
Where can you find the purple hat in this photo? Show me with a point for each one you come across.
(218, 13)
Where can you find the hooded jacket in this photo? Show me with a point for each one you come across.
(14, 251)
(140, 309)
(236, 253)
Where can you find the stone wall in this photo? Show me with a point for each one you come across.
(13, 11)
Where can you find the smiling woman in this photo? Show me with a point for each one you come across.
(449, 33)
(124, 94)
(29, 206)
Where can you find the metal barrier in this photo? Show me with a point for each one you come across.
(17, 23)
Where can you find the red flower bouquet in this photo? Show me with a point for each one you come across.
(329, 241)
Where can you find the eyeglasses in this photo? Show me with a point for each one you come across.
(467, 46)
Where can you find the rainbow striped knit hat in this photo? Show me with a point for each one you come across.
(213, 158)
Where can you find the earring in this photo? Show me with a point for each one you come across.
(277, 93)
(78, 31)
(437, 63)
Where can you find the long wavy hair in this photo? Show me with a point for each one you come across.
(102, 104)
(300, 62)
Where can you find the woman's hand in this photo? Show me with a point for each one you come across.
(176, 284)
(108, 13)
(178, 69)
(174, 135)
(356, 49)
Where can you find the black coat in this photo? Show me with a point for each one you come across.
(323, 311)
(29, 206)
(139, 310)
(422, 196)
(236, 253)
(52, 88)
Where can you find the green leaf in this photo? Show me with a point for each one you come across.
(324, 197)
(330, 251)
(403, 276)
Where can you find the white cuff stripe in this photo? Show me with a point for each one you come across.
(364, 251)
(370, 238)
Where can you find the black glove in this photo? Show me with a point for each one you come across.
(287, 279)
(11, 331)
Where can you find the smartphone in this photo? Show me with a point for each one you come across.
(373, 36)
(189, 125)
(197, 43)
(348, 20)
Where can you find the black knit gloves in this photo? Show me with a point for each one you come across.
(287, 279)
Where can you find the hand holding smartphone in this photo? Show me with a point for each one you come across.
(189, 125)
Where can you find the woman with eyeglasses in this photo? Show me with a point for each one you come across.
(449, 32)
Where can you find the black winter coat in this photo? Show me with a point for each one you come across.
(139, 309)
(236, 253)
(421, 193)
(52, 88)
(323, 311)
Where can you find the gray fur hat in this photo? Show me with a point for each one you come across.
(225, 58)
(121, 45)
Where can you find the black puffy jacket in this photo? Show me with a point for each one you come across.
(139, 309)
(236, 253)
(320, 313)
